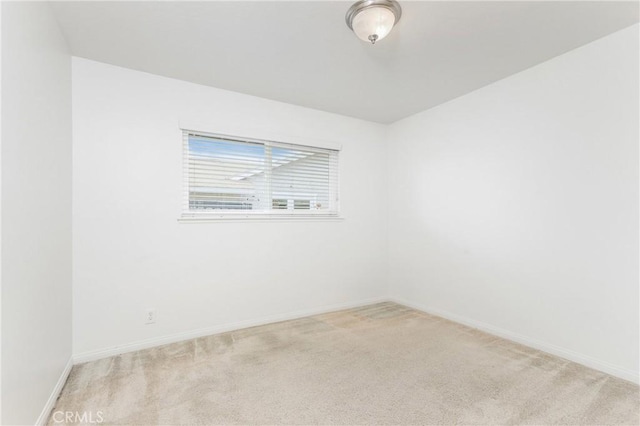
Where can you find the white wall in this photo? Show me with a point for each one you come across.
(523, 211)
(130, 252)
(36, 209)
(0, 215)
(515, 207)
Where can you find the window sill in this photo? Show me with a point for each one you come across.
(259, 218)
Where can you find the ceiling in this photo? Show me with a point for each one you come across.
(301, 52)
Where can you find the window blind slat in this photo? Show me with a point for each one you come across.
(224, 174)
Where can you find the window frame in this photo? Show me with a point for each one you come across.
(191, 216)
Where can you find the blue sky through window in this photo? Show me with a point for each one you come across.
(218, 148)
(227, 150)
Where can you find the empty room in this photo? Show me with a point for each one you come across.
(320, 212)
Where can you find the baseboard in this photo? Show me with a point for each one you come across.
(223, 328)
(51, 402)
(632, 376)
(587, 361)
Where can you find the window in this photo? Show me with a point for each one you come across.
(235, 177)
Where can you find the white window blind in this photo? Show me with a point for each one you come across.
(226, 176)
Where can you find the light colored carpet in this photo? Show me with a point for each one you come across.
(380, 364)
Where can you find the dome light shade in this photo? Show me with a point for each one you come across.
(372, 20)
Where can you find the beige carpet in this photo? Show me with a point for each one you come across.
(381, 364)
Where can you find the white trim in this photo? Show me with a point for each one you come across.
(587, 361)
(55, 393)
(222, 328)
(232, 217)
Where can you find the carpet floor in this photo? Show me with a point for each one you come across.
(379, 364)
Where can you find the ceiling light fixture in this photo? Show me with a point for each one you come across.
(372, 20)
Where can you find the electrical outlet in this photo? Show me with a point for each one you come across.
(151, 316)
